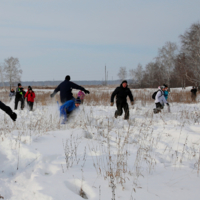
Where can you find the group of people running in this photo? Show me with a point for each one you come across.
(69, 103)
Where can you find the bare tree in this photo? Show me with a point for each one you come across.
(191, 47)
(139, 73)
(152, 75)
(181, 69)
(122, 73)
(12, 70)
(132, 75)
(167, 56)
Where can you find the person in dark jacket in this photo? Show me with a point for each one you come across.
(122, 92)
(8, 111)
(19, 96)
(65, 89)
(193, 93)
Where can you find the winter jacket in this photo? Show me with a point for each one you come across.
(19, 93)
(194, 91)
(122, 94)
(166, 93)
(67, 107)
(30, 96)
(160, 98)
(65, 89)
(81, 95)
(12, 94)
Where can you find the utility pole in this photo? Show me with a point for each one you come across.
(105, 76)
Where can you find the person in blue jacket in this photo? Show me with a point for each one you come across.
(65, 89)
(166, 93)
(67, 108)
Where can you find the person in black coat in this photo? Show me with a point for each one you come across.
(193, 93)
(8, 111)
(122, 92)
(19, 96)
(65, 89)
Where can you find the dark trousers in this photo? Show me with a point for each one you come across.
(30, 104)
(120, 107)
(159, 105)
(5, 108)
(193, 96)
(17, 101)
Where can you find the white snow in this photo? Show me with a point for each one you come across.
(149, 157)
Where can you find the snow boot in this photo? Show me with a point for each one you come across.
(116, 115)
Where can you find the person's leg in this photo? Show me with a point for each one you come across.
(22, 103)
(31, 106)
(126, 110)
(8, 111)
(159, 106)
(119, 110)
(16, 103)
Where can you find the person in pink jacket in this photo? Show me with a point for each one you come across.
(81, 95)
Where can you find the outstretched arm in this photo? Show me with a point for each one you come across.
(78, 87)
(55, 91)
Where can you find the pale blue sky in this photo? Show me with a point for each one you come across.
(54, 38)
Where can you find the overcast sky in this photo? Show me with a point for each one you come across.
(54, 38)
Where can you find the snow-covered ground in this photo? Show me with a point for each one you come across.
(97, 156)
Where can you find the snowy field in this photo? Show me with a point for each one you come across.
(97, 157)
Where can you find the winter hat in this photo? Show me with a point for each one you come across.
(67, 78)
(125, 81)
(166, 86)
(29, 87)
(19, 84)
(78, 101)
(162, 87)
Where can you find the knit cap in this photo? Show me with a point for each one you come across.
(78, 101)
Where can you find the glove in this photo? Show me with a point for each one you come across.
(167, 104)
(111, 104)
(87, 92)
(52, 95)
(132, 102)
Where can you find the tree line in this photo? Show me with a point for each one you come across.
(175, 66)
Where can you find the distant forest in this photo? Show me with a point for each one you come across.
(55, 83)
(175, 66)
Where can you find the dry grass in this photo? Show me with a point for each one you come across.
(102, 95)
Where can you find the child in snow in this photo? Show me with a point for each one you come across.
(12, 94)
(166, 93)
(30, 97)
(8, 111)
(67, 108)
(81, 95)
(160, 99)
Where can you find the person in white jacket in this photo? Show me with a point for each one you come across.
(160, 99)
